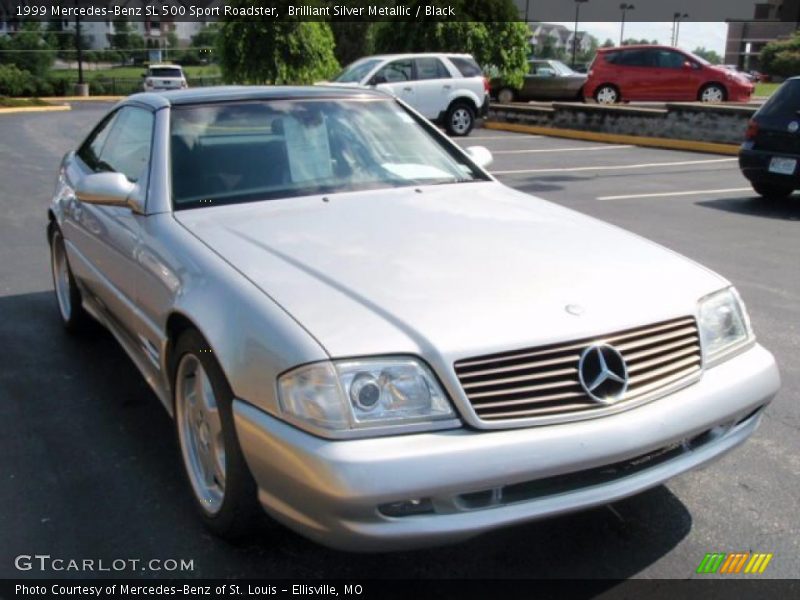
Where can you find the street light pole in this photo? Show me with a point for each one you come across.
(624, 7)
(678, 26)
(575, 34)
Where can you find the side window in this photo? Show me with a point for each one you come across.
(395, 72)
(127, 149)
(431, 68)
(637, 58)
(93, 146)
(670, 60)
(466, 66)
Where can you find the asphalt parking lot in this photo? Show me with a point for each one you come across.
(89, 466)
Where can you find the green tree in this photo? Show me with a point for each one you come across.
(263, 50)
(28, 49)
(609, 43)
(64, 40)
(782, 57)
(354, 39)
(127, 41)
(635, 42)
(710, 55)
(203, 44)
(492, 35)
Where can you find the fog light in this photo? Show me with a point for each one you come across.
(407, 508)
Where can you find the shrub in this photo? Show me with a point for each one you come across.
(15, 81)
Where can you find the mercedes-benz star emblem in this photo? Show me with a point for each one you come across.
(603, 373)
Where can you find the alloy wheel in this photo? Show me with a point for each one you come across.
(200, 433)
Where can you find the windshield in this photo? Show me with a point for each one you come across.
(247, 151)
(164, 72)
(561, 68)
(356, 71)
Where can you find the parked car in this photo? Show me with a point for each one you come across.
(164, 77)
(661, 73)
(752, 76)
(449, 89)
(770, 153)
(356, 326)
(546, 80)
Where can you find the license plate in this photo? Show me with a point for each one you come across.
(782, 166)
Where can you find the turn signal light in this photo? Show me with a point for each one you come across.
(752, 130)
(486, 87)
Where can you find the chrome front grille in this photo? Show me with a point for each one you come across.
(544, 382)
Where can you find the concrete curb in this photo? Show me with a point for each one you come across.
(32, 109)
(613, 138)
(85, 98)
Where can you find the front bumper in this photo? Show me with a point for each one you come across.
(330, 491)
(755, 166)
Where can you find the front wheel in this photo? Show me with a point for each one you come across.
(606, 94)
(713, 93)
(70, 306)
(222, 487)
(460, 119)
(772, 191)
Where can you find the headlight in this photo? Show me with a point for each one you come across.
(724, 325)
(358, 397)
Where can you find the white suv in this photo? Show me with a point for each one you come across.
(164, 77)
(449, 89)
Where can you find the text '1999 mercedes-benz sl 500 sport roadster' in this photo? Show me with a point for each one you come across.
(357, 328)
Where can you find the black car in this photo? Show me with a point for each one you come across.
(770, 155)
(546, 80)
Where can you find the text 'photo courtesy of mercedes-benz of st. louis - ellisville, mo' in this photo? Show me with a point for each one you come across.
(389, 298)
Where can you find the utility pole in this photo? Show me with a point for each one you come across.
(79, 46)
(575, 34)
(624, 7)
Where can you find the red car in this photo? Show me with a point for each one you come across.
(661, 73)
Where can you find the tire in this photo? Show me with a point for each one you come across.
(68, 297)
(460, 119)
(713, 92)
(505, 96)
(772, 191)
(607, 94)
(224, 491)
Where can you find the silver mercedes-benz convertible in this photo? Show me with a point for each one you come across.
(357, 328)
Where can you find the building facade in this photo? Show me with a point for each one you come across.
(772, 20)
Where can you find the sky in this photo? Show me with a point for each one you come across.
(709, 35)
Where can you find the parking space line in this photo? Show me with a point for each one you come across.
(681, 163)
(572, 149)
(510, 136)
(668, 194)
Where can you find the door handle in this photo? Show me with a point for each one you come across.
(447, 87)
(407, 89)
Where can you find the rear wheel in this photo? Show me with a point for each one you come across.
(460, 119)
(713, 92)
(772, 191)
(505, 96)
(606, 94)
(222, 487)
(70, 306)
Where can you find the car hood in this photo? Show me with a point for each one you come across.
(448, 271)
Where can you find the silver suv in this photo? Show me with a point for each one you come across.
(164, 77)
(449, 89)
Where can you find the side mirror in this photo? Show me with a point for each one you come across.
(108, 189)
(377, 80)
(480, 155)
(688, 65)
(546, 73)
